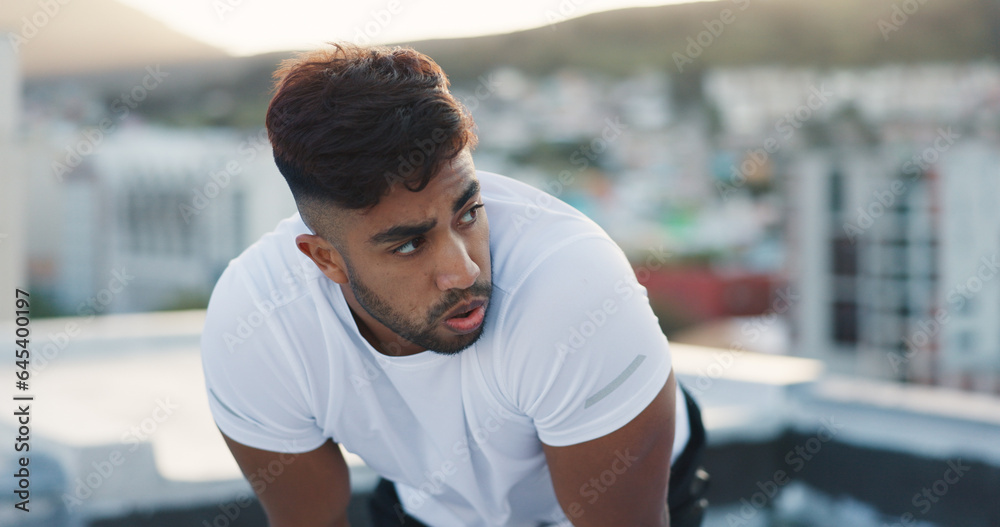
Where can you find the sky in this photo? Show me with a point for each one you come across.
(235, 25)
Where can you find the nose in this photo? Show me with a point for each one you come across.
(456, 269)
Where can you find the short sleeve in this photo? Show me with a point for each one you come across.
(586, 353)
(252, 379)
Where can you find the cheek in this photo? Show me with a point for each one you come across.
(410, 293)
(381, 281)
(483, 248)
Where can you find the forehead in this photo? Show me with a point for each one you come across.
(448, 189)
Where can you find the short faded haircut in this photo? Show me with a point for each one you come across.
(347, 123)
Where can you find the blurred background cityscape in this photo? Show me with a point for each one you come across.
(807, 189)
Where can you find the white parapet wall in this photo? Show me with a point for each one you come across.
(120, 403)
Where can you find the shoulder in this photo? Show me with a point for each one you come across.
(545, 253)
(569, 286)
(273, 266)
(261, 384)
(259, 299)
(529, 228)
(575, 327)
(270, 276)
(563, 290)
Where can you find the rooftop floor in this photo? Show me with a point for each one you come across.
(119, 403)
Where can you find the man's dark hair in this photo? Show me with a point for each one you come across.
(346, 123)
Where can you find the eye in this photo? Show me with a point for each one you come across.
(471, 214)
(409, 247)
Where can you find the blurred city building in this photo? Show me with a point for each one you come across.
(897, 265)
(843, 214)
(887, 176)
(152, 216)
(892, 98)
(864, 190)
(13, 270)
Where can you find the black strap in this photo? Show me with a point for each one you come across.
(688, 480)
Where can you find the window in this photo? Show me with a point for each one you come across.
(845, 322)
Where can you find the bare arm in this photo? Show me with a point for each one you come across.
(311, 489)
(621, 478)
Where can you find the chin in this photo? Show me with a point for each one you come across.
(459, 344)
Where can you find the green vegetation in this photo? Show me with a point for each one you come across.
(803, 33)
(842, 33)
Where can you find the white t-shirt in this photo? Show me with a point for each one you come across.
(570, 352)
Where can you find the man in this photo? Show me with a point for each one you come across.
(501, 371)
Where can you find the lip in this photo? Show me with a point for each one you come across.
(464, 307)
(479, 311)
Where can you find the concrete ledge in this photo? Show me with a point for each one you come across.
(932, 422)
(130, 388)
(745, 396)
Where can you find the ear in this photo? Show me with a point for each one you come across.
(324, 255)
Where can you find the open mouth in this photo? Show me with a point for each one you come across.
(469, 320)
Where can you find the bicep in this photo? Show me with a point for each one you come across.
(620, 478)
(307, 489)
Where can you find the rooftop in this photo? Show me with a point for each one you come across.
(129, 389)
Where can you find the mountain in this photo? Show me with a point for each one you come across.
(89, 36)
(810, 33)
(820, 33)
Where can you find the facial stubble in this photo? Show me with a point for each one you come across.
(382, 311)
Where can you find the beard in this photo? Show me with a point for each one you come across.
(423, 333)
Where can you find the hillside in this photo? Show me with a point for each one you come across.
(97, 35)
(788, 32)
(841, 33)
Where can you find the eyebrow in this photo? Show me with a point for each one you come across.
(403, 232)
(470, 191)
